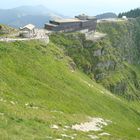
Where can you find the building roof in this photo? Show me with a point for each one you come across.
(67, 20)
(91, 17)
(29, 26)
(52, 25)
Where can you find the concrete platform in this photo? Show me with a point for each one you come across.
(95, 36)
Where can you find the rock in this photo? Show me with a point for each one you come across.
(35, 107)
(66, 136)
(26, 104)
(12, 102)
(2, 100)
(100, 76)
(56, 111)
(67, 127)
(31, 105)
(104, 134)
(49, 137)
(1, 114)
(108, 65)
(119, 88)
(95, 124)
(54, 127)
(64, 129)
(72, 66)
(97, 52)
(93, 137)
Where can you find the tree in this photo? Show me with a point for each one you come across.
(131, 14)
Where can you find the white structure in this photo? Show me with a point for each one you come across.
(28, 31)
(124, 17)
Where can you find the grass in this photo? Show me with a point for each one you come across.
(41, 76)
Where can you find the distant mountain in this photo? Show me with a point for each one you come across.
(106, 16)
(20, 16)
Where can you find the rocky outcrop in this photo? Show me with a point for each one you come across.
(98, 52)
(119, 88)
(107, 65)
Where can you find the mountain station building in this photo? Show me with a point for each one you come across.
(81, 23)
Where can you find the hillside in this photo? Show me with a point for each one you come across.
(42, 95)
(20, 16)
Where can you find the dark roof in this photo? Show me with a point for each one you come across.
(52, 25)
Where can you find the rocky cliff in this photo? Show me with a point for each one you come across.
(113, 61)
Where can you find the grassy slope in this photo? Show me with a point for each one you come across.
(41, 76)
(5, 31)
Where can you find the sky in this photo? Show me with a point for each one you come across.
(73, 7)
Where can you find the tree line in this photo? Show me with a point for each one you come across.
(131, 14)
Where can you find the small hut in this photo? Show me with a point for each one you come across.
(28, 31)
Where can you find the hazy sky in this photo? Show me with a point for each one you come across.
(72, 7)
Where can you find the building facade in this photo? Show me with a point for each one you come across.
(79, 23)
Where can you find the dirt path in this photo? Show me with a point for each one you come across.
(24, 39)
(40, 35)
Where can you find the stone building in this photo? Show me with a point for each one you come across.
(82, 23)
(28, 31)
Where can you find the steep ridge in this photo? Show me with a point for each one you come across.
(113, 61)
(42, 95)
(6, 30)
